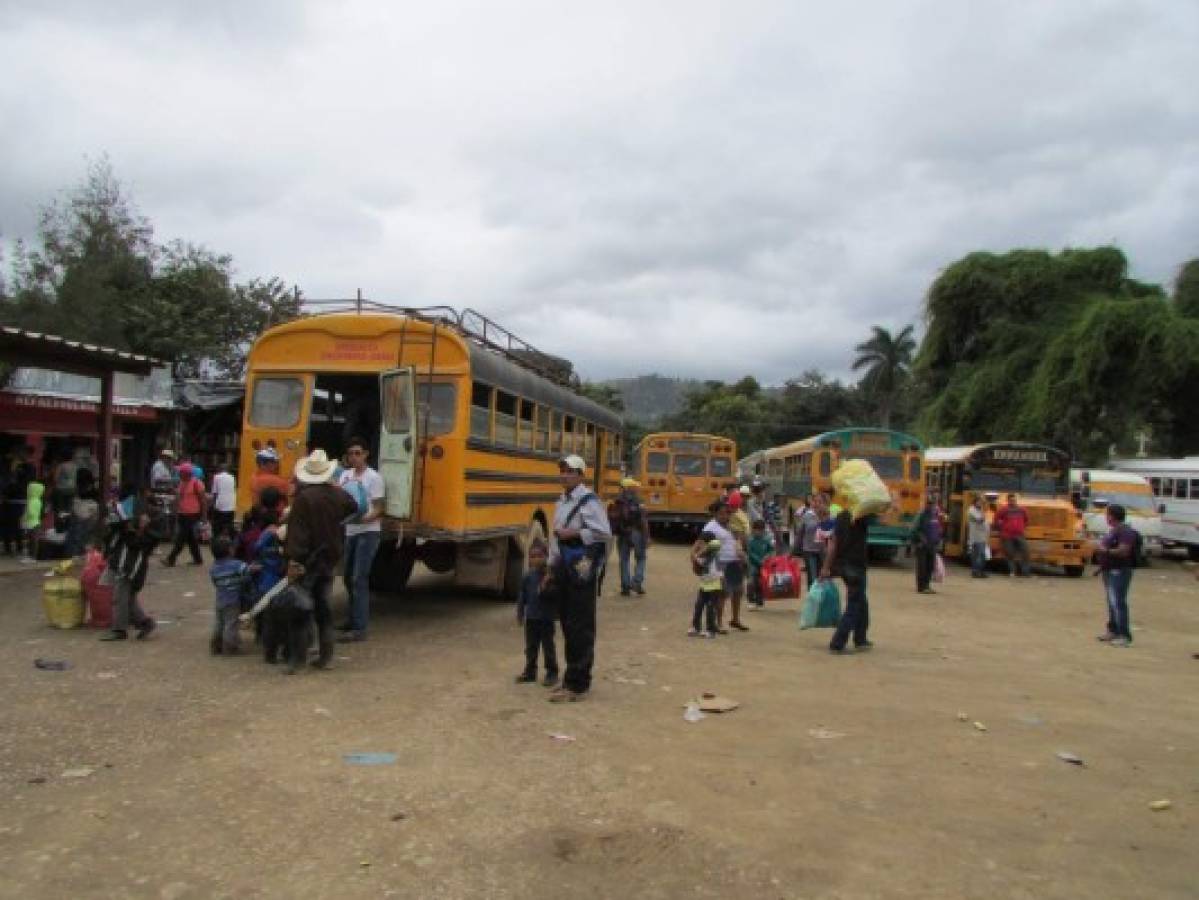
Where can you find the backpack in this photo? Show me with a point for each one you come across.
(357, 491)
(1138, 550)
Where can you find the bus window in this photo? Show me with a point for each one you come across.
(555, 431)
(914, 468)
(589, 442)
(436, 417)
(525, 439)
(505, 418)
(826, 463)
(1155, 485)
(720, 467)
(568, 435)
(542, 441)
(687, 464)
(774, 468)
(1167, 487)
(657, 463)
(1180, 488)
(480, 411)
(277, 402)
(397, 417)
(1195, 488)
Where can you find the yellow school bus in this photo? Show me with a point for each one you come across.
(792, 471)
(681, 474)
(1039, 476)
(464, 421)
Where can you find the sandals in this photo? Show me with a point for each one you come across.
(739, 626)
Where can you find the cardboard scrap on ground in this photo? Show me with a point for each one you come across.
(714, 704)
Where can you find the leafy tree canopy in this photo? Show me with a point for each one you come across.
(1062, 348)
(99, 276)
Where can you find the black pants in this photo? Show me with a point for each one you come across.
(578, 633)
(222, 523)
(856, 618)
(320, 586)
(926, 561)
(186, 535)
(10, 525)
(539, 635)
(705, 605)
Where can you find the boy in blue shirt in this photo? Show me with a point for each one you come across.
(535, 610)
(230, 577)
(757, 548)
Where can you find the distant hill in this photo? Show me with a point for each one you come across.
(647, 398)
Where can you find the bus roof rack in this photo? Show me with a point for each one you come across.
(470, 324)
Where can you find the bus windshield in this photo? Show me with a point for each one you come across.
(1016, 480)
(888, 466)
(1133, 502)
(685, 464)
(721, 466)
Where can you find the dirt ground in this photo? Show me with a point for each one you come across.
(154, 770)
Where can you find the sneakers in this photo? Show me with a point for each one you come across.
(115, 635)
(526, 678)
(551, 679)
(694, 632)
(707, 634)
(638, 590)
(739, 626)
(865, 645)
(352, 637)
(146, 629)
(1120, 642)
(926, 590)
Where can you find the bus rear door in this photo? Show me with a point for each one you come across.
(397, 440)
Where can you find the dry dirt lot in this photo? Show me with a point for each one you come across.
(839, 777)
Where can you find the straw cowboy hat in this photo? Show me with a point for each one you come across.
(629, 483)
(316, 468)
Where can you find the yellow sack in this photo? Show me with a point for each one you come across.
(62, 598)
(858, 487)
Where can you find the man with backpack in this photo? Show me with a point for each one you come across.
(629, 521)
(577, 548)
(1119, 554)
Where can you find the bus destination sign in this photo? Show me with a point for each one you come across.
(1004, 454)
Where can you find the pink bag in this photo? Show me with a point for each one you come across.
(939, 569)
(97, 594)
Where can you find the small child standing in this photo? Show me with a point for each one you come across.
(757, 548)
(535, 611)
(230, 577)
(31, 522)
(704, 563)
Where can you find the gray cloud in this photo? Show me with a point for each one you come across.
(702, 187)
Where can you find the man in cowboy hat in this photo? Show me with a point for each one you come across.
(577, 549)
(630, 523)
(314, 538)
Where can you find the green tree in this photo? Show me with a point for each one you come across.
(603, 394)
(97, 275)
(1062, 348)
(742, 411)
(887, 360)
(1186, 289)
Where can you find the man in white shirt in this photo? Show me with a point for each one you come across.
(578, 547)
(363, 533)
(224, 501)
(162, 473)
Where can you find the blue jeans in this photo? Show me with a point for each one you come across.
(1116, 584)
(978, 558)
(359, 555)
(633, 542)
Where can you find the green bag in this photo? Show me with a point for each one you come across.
(821, 607)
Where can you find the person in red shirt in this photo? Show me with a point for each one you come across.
(1011, 521)
(192, 504)
(267, 475)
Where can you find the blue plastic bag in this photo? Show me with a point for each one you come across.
(822, 606)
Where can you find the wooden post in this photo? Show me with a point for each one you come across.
(106, 380)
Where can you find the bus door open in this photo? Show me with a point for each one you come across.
(397, 439)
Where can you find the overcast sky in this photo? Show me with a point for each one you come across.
(696, 188)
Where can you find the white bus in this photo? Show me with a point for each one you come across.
(1175, 484)
(1094, 490)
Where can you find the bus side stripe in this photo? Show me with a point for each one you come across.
(510, 499)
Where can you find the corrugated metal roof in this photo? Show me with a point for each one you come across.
(87, 352)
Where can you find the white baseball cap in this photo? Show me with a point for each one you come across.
(574, 461)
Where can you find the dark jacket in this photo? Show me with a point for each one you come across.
(314, 527)
(535, 604)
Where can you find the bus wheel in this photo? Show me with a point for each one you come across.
(392, 567)
(1075, 571)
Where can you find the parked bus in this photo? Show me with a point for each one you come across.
(466, 424)
(794, 470)
(1039, 476)
(1093, 490)
(681, 474)
(1175, 486)
(751, 467)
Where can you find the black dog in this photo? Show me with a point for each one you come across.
(287, 627)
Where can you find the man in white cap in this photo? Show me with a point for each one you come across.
(314, 538)
(577, 548)
(630, 524)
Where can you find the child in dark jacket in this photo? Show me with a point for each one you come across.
(757, 548)
(535, 609)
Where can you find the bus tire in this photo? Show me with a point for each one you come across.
(392, 567)
(1075, 571)
(1193, 552)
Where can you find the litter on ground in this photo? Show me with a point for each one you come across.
(369, 759)
(1067, 756)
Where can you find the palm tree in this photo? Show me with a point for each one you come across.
(888, 362)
